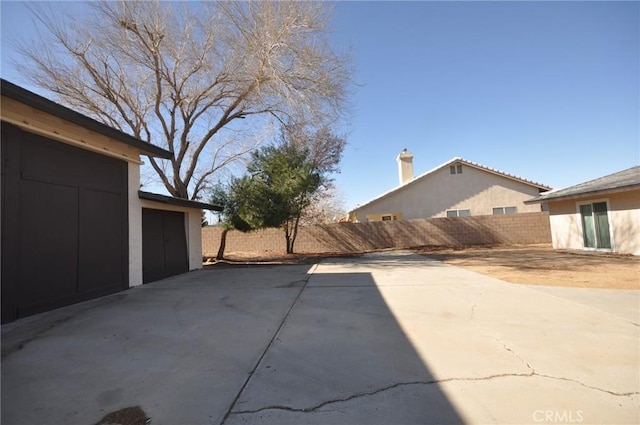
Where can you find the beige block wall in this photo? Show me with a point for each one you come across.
(624, 222)
(476, 190)
(530, 228)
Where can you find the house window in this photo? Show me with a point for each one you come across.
(505, 210)
(455, 169)
(458, 213)
(386, 218)
(595, 225)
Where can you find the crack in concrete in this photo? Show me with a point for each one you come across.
(532, 372)
(613, 393)
(19, 334)
(517, 356)
(314, 408)
(371, 393)
(8, 348)
(318, 406)
(541, 375)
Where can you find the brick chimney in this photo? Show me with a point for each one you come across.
(405, 166)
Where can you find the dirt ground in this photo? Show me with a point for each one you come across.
(530, 264)
(541, 265)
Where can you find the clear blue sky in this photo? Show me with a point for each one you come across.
(545, 90)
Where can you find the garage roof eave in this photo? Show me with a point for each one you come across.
(170, 200)
(36, 101)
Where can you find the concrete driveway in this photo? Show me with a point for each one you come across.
(388, 338)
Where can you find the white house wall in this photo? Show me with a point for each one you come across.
(624, 222)
(475, 190)
(135, 227)
(193, 229)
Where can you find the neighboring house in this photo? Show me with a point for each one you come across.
(74, 225)
(456, 188)
(601, 214)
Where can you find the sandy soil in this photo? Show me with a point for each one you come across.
(541, 265)
(530, 264)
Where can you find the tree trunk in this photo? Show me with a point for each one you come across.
(291, 232)
(294, 234)
(223, 244)
(287, 237)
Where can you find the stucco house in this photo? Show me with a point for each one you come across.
(456, 188)
(74, 224)
(598, 215)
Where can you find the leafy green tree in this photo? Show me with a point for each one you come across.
(280, 183)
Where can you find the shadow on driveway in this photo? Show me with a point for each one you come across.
(342, 358)
(387, 338)
(231, 345)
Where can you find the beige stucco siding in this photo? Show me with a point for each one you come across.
(476, 190)
(566, 229)
(624, 222)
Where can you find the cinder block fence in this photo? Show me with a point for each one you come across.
(525, 228)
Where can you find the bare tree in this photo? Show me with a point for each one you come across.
(327, 206)
(199, 79)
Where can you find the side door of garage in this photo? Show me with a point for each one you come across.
(164, 244)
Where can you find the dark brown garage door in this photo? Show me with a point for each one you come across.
(164, 244)
(64, 224)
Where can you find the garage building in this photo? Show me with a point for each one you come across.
(74, 224)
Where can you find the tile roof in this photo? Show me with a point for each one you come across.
(456, 160)
(617, 182)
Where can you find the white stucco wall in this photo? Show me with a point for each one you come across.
(624, 222)
(135, 227)
(475, 190)
(193, 229)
